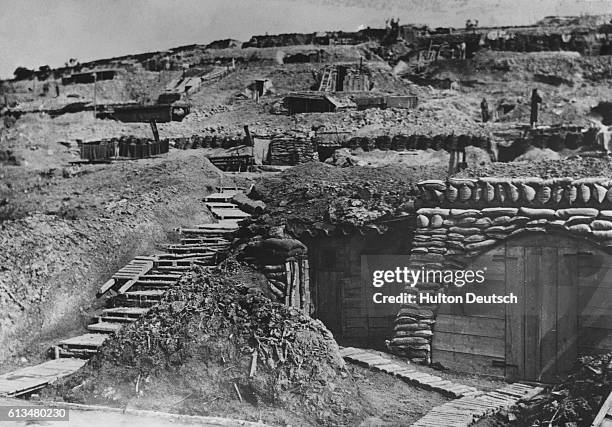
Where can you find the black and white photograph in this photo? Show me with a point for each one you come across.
(285, 213)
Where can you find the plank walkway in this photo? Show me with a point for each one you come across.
(467, 410)
(33, 378)
(138, 285)
(403, 370)
(470, 404)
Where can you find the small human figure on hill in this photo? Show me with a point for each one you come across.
(535, 100)
(484, 110)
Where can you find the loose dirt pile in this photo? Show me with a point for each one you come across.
(196, 353)
(316, 192)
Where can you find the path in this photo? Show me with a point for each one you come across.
(470, 404)
(138, 286)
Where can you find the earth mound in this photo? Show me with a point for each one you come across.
(217, 345)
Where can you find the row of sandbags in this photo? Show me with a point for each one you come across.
(469, 232)
(285, 151)
(518, 192)
(411, 142)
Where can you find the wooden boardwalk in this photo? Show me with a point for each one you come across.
(33, 378)
(467, 410)
(137, 286)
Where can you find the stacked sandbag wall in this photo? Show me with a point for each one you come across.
(402, 142)
(283, 260)
(287, 150)
(459, 219)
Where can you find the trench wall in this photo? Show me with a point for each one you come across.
(461, 218)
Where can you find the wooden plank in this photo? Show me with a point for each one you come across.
(515, 276)
(85, 340)
(531, 335)
(469, 344)
(603, 412)
(104, 327)
(106, 287)
(467, 325)
(548, 312)
(567, 315)
(31, 378)
(125, 311)
(126, 286)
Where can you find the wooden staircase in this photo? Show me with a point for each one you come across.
(138, 286)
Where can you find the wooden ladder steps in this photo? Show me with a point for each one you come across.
(130, 312)
(225, 196)
(229, 213)
(155, 283)
(115, 319)
(146, 294)
(81, 346)
(183, 268)
(220, 205)
(105, 327)
(164, 277)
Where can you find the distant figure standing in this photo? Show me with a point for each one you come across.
(484, 110)
(535, 100)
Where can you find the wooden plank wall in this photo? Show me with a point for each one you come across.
(470, 337)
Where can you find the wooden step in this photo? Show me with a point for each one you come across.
(165, 277)
(85, 341)
(226, 196)
(105, 327)
(115, 319)
(133, 312)
(229, 213)
(223, 205)
(149, 293)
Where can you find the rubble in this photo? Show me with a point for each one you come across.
(574, 402)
